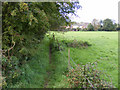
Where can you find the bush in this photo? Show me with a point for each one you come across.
(76, 44)
(87, 76)
(84, 29)
(11, 70)
(90, 27)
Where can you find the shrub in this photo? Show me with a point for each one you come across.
(84, 29)
(11, 70)
(90, 27)
(75, 44)
(87, 76)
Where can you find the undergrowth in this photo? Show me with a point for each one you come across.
(87, 76)
(33, 72)
(76, 44)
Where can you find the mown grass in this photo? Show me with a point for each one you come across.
(104, 50)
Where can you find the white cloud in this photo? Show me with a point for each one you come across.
(99, 9)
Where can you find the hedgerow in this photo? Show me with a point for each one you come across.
(24, 25)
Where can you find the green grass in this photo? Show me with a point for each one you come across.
(104, 49)
(34, 71)
(57, 68)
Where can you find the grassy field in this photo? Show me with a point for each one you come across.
(104, 49)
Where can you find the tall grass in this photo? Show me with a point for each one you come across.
(34, 71)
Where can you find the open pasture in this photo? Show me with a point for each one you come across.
(104, 50)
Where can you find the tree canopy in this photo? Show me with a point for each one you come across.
(108, 25)
(33, 18)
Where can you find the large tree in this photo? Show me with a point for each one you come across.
(108, 25)
(33, 19)
(96, 24)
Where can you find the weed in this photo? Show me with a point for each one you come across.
(86, 76)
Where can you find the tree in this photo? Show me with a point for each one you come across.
(115, 26)
(101, 26)
(24, 24)
(78, 28)
(96, 24)
(90, 27)
(32, 20)
(108, 25)
(60, 17)
(118, 27)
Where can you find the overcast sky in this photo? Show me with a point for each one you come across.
(99, 9)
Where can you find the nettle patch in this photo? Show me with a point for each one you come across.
(87, 76)
(76, 44)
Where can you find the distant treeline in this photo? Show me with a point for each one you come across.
(105, 25)
(95, 25)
